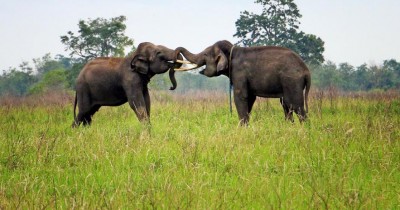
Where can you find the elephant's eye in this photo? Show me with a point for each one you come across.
(160, 55)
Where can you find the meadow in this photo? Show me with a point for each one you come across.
(194, 155)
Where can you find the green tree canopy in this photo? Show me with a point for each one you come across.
(349, 78)
(278, 25)
(46, 64)
(98, 38)
(16, 82)
(53, 80)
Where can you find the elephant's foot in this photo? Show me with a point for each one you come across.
(75, 124)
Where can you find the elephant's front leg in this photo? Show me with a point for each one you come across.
(242, 106)
(138, 104)
(146, 96)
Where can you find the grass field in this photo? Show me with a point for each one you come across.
(195, 156)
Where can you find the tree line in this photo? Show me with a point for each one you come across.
(277, 25)
(59, 73)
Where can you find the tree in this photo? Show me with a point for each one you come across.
(66, 62)
(308, 46)
(46, 64)
(278, 25)
(327, 75)
(73, 73)
(362, 77)
(52, 80)
(346, 80)
(16, 82)
(98, 38)
(393, 67)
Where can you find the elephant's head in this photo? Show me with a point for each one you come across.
(150, 59)
(214, 57)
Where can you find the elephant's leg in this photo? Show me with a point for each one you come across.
(87, 118)
(299, 105)
(301, 113)
(242, 106)
(293, 98)
(76, 122)
(138, 104)
(295, 101)
(84, 108)
(287, 111)
(84, 117)
(146, 96)
(250, 102)
(283, 106)
(94, 109)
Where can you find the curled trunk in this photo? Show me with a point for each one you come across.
(172, 72)
(197, 59)
(172, 78)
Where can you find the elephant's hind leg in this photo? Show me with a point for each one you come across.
(301, 113)
(83, 118)
(85, 112)
(293, 100)
(87, 117)
(297, 106)
(80, 118)
(287, 110)
(75, 123)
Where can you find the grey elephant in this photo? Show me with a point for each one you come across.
(115, 81)
(265, 71)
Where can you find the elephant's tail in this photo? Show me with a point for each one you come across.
(76, 100)
(308, 85)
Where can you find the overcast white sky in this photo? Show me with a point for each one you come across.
(354, 31)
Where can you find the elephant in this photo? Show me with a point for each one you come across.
(264, 71)
(111, 81)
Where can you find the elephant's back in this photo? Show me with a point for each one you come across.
(267, 59)
(101, 65)
(109, 63)
(100, 70)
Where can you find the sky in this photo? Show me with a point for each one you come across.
(354, 31)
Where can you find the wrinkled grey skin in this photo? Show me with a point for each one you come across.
(271, 72)
(115, 81)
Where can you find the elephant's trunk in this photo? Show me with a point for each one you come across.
(172, 71)
(198, 59)
(172, 78)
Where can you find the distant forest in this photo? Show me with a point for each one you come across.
(59, 73)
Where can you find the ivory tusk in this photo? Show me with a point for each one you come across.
(183, 62)
(186, 68)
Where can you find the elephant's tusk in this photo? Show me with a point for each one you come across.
(183, 62)
(186, 68)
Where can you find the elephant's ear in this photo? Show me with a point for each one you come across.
(222, 62)
(140, 64)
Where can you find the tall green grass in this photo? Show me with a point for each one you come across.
(194, 155)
